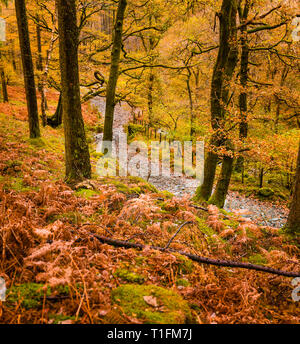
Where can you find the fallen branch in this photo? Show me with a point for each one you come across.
(198, 259)
(174, 236)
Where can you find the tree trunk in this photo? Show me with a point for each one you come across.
(39, 67)
(243, 98)
(219, 196)
(284, 75)
(114, 72)
(152, 44)
(150, 96)
(293, 223)
(13, 57)
(192, 113)
(77, 155)
(4, 84)
(27, 69)
(261, 177)
(222, 186)
(210, 165)
(46, 69)
(57, 119)
(223, 72)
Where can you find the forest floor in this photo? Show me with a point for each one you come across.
(56, 271)
(261, 212)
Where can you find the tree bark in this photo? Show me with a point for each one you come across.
(210, 165)
(223, 72)
(4, 84)
(192, 113)
(243, 97)
(114, 72)
(39, 67)
(152, 45)
(293, 222)
(284, 75)
(150, 96)
(219, 196)
(57, 119)
(27, 69)
(77, 155)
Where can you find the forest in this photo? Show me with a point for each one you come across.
(149, 162)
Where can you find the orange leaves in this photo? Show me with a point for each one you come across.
(186, 216)
(213, 220)
(227, 233)
(139, 209)
(248, 225)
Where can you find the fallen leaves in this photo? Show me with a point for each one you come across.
(151, 300)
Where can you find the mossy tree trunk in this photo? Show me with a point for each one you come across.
(210, 165)
(114, 72)
(219, 196)
(4, 84)
(222, 74)
(77, 155)
(28, 71)
(293, 223)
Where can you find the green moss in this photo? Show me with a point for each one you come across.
(133, 129)
(135, 180)
(37, 143)
(148, 187)
(172, 308)
(70, 217)
(224, 212)
(135, 190)
(17, 184)
(30, 295)
(185, 265)
(140, 260)
(231, 223)
(257, 259)
(130, 185)
(183, 282)
(265, 192)
(209, 232)
(121, 187)
(86, 193)
(166, 194)
(96, 155)
(13, 163)
(58, 318)
(129, 276)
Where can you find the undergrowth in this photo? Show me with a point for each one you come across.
(57, 272)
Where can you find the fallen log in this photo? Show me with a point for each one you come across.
(198, 259)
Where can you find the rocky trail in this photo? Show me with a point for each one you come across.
(262, 213)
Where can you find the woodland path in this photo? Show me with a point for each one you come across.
(262, 213)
